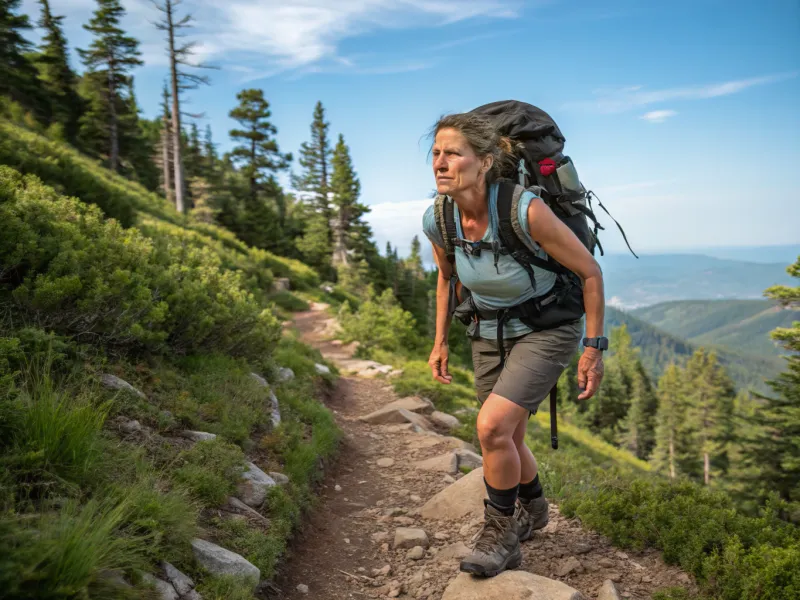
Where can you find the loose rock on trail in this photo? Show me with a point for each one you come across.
(398, 528)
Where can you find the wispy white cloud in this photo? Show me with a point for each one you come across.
(658, 116)
(273, 36)
(617, 100)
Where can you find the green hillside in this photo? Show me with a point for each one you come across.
(740, 325)
(659, 348)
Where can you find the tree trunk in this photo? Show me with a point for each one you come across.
(177, 157)
(671, 457)
(113, 158)
(706, 468)
(165, 142)
(253, 182)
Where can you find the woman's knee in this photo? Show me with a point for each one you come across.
(493, 433)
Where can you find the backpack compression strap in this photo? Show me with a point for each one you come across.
(445, 221)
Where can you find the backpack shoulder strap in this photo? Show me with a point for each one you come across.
(446, 224)
(511, 235)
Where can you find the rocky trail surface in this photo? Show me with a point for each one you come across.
(396, 514)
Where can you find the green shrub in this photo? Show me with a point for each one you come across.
(210, 470)
(83, 276)
(300, 275)
(381, 322)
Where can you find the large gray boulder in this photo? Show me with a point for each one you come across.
(220, 561)
(164, 590)
(608, 591)
(462, 500)
(413, 404)
(444, 463)
(516, 585)
(389, 415)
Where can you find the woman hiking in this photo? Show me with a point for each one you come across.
(468, 156)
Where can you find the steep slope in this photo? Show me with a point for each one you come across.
(742, 325)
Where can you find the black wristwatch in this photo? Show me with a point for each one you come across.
(601, 343)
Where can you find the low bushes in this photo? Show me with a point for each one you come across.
(66, 268)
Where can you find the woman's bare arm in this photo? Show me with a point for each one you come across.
(439, 356)
(563, 245)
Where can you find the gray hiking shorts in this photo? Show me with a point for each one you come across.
(533, 364)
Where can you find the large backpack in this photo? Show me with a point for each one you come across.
(540, 166)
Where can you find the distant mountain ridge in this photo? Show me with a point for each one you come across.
(741, 325)
(631, 283)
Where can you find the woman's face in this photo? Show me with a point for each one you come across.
(455, 164)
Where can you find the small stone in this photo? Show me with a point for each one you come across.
(132, 426)
(383, 571)
(322, 369)
(302, 588)
(362, 570)
(193, 595)
(198, 436)
(406, 537)
(182, 583)
(647, 579)
(416, 553)
(448, 479)
(385, 462)
(606, 563)
(279, 478)
(285, 374)
(582, 548)
(441, 535)
(615, 577)
(254, 486)
(455, 551)
(608, 591)
(380, 536)
(570, 565)
(115, 383)
(468, 458)
(346, 540)
(338, 488)
(404, 520)
(385, 547)
(219, 561)
(684, 578)
(444, 420)
(165, 590)
(622, 555)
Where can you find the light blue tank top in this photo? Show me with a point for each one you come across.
(493, 288)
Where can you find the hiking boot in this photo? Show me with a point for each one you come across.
(496, 545)
(530, 516)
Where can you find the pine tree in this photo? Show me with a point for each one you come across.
(258, 154)
(710, 395)
(180, 80)
(351, 235)
(670, 421)
(315, 159)
(210, 155)
(18, 77)
(109, 59)
(58, 79)
(772, 451)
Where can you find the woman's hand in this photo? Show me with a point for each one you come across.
(438, 363)
(590, 372)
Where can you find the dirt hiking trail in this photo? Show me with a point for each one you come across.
(374, 536)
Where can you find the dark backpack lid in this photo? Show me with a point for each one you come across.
(527, 124)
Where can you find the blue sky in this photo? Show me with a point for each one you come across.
(682, 115)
